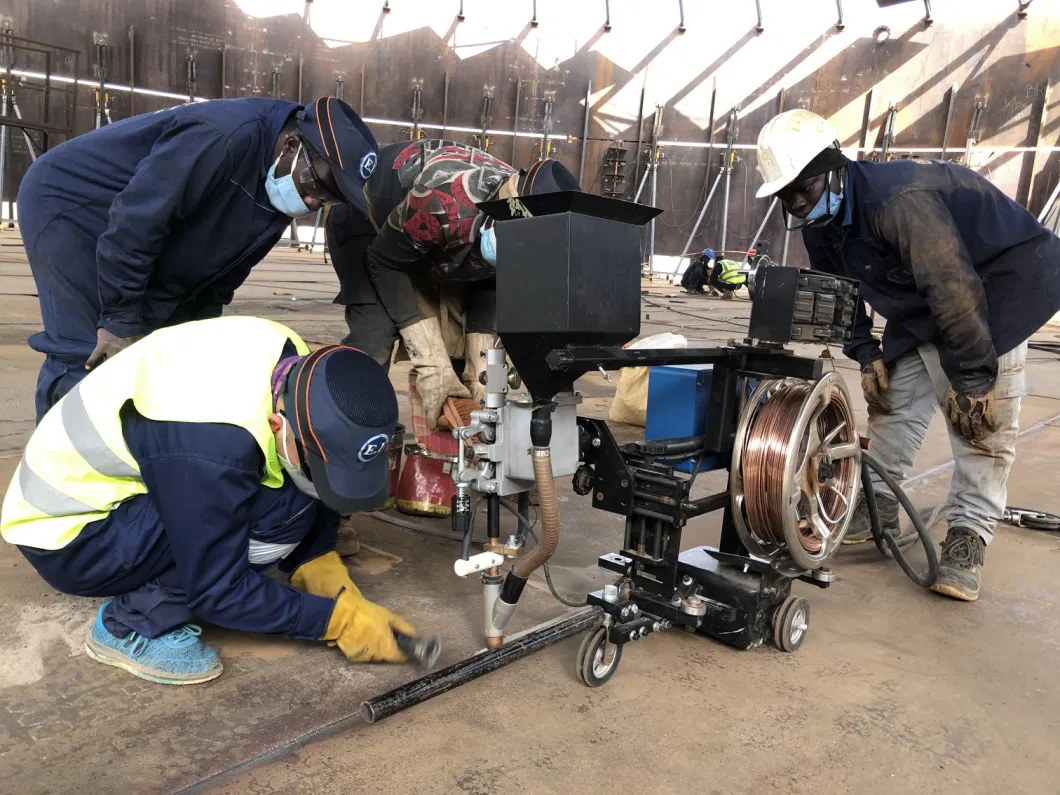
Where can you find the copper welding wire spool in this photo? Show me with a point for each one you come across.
(819, 485)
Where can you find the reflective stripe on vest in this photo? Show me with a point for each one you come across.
(77, 467)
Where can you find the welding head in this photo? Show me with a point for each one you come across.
(334, 132)
(343, 412)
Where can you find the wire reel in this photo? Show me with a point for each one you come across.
(796, 466)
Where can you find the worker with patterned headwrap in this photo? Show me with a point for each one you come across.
(421, 264)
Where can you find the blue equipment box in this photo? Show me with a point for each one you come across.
(678, 396)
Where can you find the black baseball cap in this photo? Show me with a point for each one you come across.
(339, 135)
(546, 176)
(344, 412)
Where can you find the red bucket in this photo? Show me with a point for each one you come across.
(426, 484)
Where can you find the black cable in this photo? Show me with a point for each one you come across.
(525, 520)
(695, 471)
(465, 543)
(885, 542)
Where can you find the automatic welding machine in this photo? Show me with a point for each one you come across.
(781, 424)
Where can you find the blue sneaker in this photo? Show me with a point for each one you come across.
(176, 658)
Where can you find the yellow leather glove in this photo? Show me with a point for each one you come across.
(435, 378)
(323, 576)
(363, 630)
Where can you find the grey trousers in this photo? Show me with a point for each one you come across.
(918, 386)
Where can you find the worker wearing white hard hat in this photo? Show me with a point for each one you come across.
(962, 274)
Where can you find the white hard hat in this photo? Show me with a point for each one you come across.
(787, 144)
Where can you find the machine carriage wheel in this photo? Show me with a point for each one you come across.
(791, 621)
(597, 658)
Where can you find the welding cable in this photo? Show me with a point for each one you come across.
(766, 455)
(882, 538)
(525, 521)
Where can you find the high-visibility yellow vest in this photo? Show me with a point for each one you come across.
(730, 273)
(77, 467)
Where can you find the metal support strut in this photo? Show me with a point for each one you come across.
(731, 132)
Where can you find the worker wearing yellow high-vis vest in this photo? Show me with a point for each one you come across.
(170, 480)
(725, 277)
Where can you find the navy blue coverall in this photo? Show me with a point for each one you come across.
(145, 223)
(947, 258)
(180, 550)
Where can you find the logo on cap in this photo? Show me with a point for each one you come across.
(372, 448)
(367, 165)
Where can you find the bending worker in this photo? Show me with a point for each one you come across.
(964, 276)
(697, 272)
(171, 477)
(157, 219)
(428, 273)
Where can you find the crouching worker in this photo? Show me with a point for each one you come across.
(170, 479)
(726, 278)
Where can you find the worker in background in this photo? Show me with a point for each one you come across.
(964, 276)
(157, 219)
(726, 279)
(420, 264)
(174, 474)
(697, 273)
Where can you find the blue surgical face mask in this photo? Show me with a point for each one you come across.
(283, 193)
(827, 205)
(487, 245)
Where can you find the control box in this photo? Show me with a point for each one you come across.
(799, 305)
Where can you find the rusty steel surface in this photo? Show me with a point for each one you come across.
(1000, 60)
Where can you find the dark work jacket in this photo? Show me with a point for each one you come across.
(422, 198)
(946, 258)
(205, 479)
(176, 199)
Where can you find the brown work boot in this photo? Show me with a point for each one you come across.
(960, 566)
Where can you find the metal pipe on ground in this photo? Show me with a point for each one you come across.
(485, 661)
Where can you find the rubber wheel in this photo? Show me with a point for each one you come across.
(790, 623)
(595, 667)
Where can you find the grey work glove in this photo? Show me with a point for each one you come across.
(874, 382)
(435, 378)
(974, 417)
(108, 344)
(475, 346)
